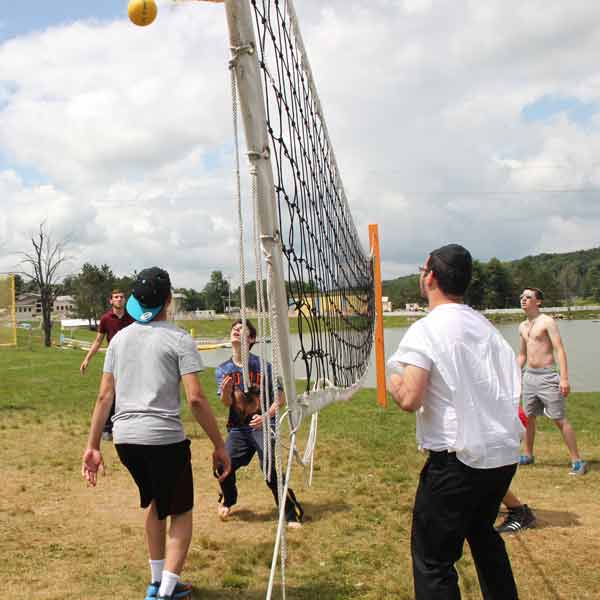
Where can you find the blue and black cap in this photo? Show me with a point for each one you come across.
(151, 290)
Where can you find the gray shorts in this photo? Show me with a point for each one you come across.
(541, 393)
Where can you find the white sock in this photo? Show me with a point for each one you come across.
(169, 581)
(156, 569)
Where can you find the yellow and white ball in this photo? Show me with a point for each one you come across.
(142, 12)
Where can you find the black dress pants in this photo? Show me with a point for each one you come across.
(455, 503)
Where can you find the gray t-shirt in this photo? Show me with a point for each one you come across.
(147, 362)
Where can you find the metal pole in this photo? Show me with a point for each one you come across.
(248, 76)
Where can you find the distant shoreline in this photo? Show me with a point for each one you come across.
(562, 313)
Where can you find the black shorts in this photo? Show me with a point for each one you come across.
(162, 474)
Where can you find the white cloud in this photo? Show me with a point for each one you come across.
(130, 129)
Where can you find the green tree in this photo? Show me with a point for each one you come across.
(523, 275)
(498, 285)
(569, 280)
(591, 281)
(216, 291)
(475, 295)
(251, 295)
(91, 289)
(125, 283)
(193, 300)
(19, 284)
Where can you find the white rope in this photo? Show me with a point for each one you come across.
(280, 540)
(280, 537)
(238, 190)
(280, 550)
(265, 383)
(309, 451)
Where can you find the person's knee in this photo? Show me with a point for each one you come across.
(561, 423)
(181, 524)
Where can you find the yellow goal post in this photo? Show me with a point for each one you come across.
(8, 318)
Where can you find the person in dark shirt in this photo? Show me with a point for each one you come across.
(245, 422)
(111, 322)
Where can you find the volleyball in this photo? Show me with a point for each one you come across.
(142, 12)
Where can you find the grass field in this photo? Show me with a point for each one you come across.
(60, 539)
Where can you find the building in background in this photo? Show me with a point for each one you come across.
(29, 307)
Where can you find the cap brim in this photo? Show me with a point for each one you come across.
(140, 313)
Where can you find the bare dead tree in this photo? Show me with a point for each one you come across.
(41, 265)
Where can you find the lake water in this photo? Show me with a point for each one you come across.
(580, 338)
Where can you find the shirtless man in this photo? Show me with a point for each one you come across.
(544, 390)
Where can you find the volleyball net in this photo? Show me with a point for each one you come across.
(326, 272)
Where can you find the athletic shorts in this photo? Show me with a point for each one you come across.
(541, 393)
(162, 474)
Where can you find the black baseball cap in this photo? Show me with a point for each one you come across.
(150, 291)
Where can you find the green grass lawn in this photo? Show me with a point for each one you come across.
(69, 541)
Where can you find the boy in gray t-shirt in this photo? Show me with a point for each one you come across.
(147, 410)
(145, 365)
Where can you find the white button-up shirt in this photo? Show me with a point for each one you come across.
(471, 403)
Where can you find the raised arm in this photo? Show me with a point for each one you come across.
(225, 389)
(561, 355)
(203, 413)
(93, 349)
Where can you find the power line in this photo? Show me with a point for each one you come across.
(498, 192)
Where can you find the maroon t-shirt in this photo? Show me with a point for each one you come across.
(111, 324)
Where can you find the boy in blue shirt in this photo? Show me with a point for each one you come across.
(245, 422)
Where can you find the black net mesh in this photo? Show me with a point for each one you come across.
(329, 276)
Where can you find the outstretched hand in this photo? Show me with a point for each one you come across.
(92, 463)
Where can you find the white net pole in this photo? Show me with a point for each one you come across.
(248, 78)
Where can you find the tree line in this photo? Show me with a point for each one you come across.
(565, 279)
(92, 286)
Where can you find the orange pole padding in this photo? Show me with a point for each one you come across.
(379, 345)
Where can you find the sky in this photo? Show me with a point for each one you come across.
(452, 121)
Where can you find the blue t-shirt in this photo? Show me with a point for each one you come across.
(236, 418)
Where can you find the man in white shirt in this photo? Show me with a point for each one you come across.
(461, 377)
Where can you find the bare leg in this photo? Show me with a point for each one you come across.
(178, 542)
(569, 436)
(530, 435)
(511, 501)
(155, 533)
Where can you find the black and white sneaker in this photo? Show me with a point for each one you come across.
(517, 519)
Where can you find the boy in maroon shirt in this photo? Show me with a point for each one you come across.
(111, 322)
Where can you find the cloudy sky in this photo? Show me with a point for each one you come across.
(468, 121)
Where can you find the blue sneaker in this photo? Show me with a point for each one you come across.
(579, 467)
(525, 459)
(182, 590)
